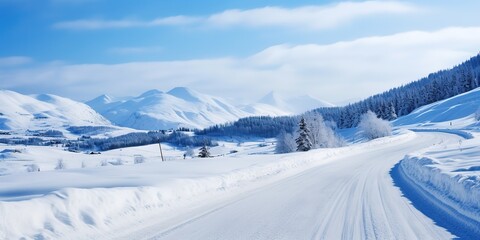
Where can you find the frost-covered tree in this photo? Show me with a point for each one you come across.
(104, 163)
(372, 127)
(322, 135)
(138, 159)
(33, 168)
(189, 152)
(285, 143)
(60, 165)
(204, 152)
(303, 140)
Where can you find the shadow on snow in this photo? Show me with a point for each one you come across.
(443, 215)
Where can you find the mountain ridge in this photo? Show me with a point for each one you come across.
(185, 107)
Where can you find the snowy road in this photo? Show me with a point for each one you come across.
(349, 198)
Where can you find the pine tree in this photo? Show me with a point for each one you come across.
(303, 141)
(204, 153)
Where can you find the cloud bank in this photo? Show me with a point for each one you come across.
(333, 72)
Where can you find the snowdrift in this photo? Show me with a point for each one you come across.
(449, 175)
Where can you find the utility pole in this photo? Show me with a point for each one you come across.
(161, 153)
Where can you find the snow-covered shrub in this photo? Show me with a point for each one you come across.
(60, 165)
(373, 127)
(117, 162)
(104, 163)
(322, 134)
(33, 168)
(137, 159)
(285, 143)
(190, 152)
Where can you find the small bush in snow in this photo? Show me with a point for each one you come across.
(117, 162)
(285, 143)
(190, 152)
(33, 168)
(60, 165)
(137, 159)
(322, 134)
(373, 127)
(104, 163)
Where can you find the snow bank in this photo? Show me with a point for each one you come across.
(461, 133)
(450, 176)
(106, 199)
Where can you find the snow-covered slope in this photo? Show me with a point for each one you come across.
(180, 107)
(458, 110)
(274, 104)
(44, 111)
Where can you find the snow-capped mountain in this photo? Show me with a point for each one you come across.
(274, 104)
(44, 111)
(179, 107)
(184, 107)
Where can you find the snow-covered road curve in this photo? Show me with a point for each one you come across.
(349, 198)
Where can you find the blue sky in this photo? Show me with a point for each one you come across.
(241, 50)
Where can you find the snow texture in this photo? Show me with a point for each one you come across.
(450, 174)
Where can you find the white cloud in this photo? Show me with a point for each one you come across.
(14, 61)
(310, 17)
(313, 17)
(334, 72)
(93, 24)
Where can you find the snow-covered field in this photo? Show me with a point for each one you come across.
(97, 199)
(420, 184)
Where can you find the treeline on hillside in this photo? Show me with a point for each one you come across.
(403, 100)
(139, 139)
(86, 143)
(389, 105)
(252, 126)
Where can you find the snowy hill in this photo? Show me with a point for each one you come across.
(458, 110)
(180, 107)
(44, 111)
(274, 104)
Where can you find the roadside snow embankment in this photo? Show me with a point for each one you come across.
(461, 133)
(448, 177)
